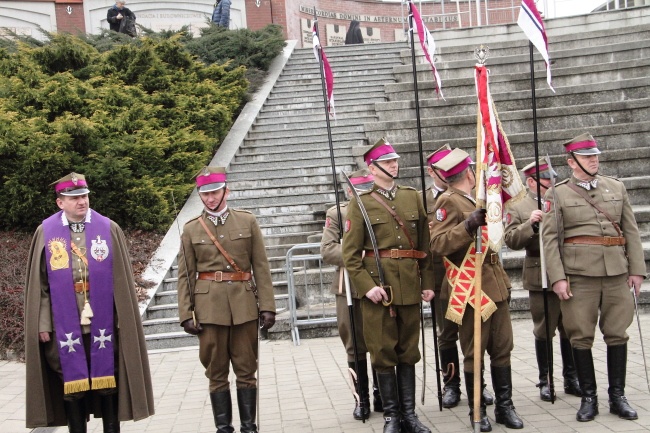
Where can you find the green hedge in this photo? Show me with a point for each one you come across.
(137, 116)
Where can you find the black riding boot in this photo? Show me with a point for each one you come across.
(247, 403)
(487, 397)
(108, 405)
(222, 411)
(388, 389)
(469, 387)
(376, 397)
(584, 362)
(362, 407)
(451, 377)
(571, 382)
(504, 410)
(542, 366)
(75, 411)
(406, 390)
(616, 365)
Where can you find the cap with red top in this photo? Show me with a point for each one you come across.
(380, 151)
(544, 173)
(437, 155)
(71, 185)
(210, 179)
(362, 180)
(583, 144)
(453, 163)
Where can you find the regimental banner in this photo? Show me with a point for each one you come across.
(371, 35)
(335, 34)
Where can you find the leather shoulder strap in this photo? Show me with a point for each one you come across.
(219, 247)
(582, 193)
(395, 216)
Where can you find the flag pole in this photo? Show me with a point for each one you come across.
(335, 183)
(481, 55)
(549, 342)
(424, 202)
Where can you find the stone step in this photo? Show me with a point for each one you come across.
(559, 118)
(305, 122)
(303, 171)
(306, 129)
(280, 158)
(564, 79)
(279, 190)
(317, 143)
(170, 340)
(401, 95)
(345, 109)
(314, 79)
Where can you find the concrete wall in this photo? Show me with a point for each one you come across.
(24, 18)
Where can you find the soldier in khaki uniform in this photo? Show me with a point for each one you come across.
(522, 231)
(452, 236)
(330, 249)
(232, 293)
(391, 333)
(602, 259)
(446, 329)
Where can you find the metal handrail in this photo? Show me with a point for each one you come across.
(291, 258)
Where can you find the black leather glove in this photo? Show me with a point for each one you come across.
(475, 220)
(267, 319)
(188, 326)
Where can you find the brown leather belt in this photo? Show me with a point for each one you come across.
(397, 254)
(82, 287)
(530, 253)
(219, 276)
(608, 241)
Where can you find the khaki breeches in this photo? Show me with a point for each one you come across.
(609, 296)
(345, 328)
(496, 337)
(391, 340)
(219, 346)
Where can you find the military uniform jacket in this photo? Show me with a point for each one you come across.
(449, 238)
(438, 267)
(408, 277)
(227, 302)
(579, 218)
(330, 246)
(520, 234)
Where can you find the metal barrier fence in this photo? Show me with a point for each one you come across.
(307, 280)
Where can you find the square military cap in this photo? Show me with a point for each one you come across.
(437, 155)
(71, 185)
(210, 178)
(544, 173)
(454, 162)
(380, 151)
(583, 144)
(362, 180)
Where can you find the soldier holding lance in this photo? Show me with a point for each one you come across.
(446, 329)
(390, 313)
(223, 262)
(452, 237)
(590, 222)
(331, 251)
(522, 231)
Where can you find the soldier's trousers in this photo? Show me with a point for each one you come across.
(391, 340)
(219, 346)
(536, 300)
(446, 329)
(608, 295)
(496, 337)
(345, 328)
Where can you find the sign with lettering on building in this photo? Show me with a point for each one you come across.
(371, 35)
(306, 32)
(335, 34)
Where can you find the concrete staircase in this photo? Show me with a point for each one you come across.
(281, 171)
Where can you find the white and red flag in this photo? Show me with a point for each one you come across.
(498, 181)
(327, 72)
(531, 23)
(427, 43)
